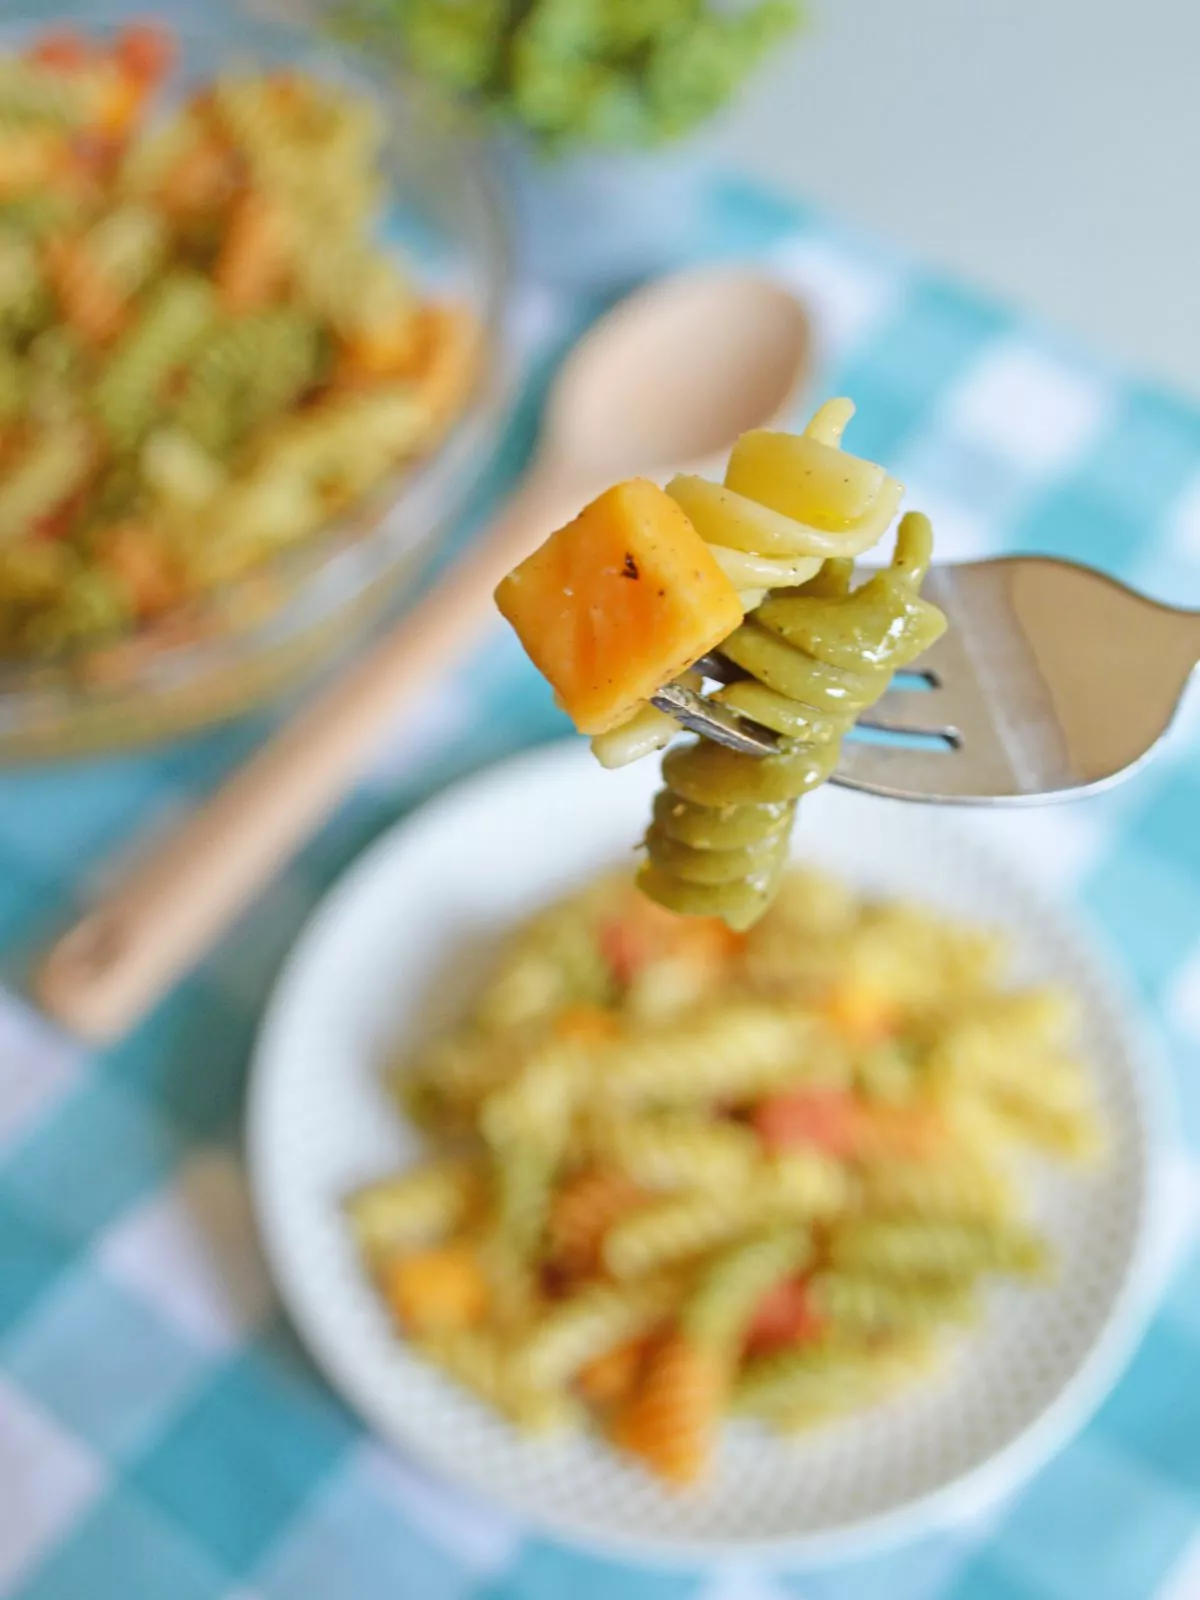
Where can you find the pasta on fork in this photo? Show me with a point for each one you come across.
(751, 579)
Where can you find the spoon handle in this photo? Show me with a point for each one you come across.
(124, 953)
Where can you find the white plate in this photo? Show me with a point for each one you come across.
(395, 949)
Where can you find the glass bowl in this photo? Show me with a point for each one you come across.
(259, 634)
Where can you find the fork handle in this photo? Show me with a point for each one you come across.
(123, 955)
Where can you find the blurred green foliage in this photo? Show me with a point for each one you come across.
(621, 73)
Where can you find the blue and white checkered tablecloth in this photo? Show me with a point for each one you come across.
(162, 1436)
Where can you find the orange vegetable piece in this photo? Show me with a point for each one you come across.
(394, 350)
(643, 933)
(146, 51)
(619, 602)
(64, 49)
(437, 1290)
(784, 1317)
(827, 1119)
(90, 304)
(611, 1378)
(581, 1214)
(151, 579)
(254, 254)
(121, 99)
(449, 349)
(670, 1421)
(201, 180)
(54, 524)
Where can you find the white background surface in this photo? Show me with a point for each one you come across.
(1045, 149)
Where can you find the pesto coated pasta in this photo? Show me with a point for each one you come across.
(206, 351)
(747, 586)
(651, 1218)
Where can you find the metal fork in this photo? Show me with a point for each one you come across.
(1052, 681)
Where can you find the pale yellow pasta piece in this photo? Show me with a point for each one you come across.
(412, 1207)
(672, 1230)
(738, 1052)
(538, 1101)
(482, 1360)
(955, 1186)
(861, 1305)
(803, 1389)
(798, 1186)
(574, 1331)
(677, 1150)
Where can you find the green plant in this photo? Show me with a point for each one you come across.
(622, 73)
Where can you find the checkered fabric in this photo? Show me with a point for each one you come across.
(162, 1436)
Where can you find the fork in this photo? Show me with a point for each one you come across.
(1052, 681)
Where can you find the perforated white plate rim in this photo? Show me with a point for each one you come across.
(322, 1038)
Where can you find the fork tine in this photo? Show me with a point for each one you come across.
(714, 721)
(921, 774)
(911, 711)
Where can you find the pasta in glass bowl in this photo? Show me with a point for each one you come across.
(249, 294)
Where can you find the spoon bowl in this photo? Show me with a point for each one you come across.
(672, 375)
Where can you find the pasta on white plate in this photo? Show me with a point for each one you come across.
(677, 1173)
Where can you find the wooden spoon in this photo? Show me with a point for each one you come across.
(668, 379)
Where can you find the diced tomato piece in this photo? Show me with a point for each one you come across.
(827, 1119)
(784, 1317)
(644, 933)
(64, 49)
(624, 947)
(146, 50)
(55, 523)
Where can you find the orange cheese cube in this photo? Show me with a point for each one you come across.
(437, 1290)
(618, 603)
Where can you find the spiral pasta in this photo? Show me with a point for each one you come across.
(937, 1247)
(412, 1207)
(582, 1213)
(33, 93)
(814, 660)
(859, 1305)
(482, 1361)
(717, 1313)
(670, 1421)
(587, 1324)
(738, 1052)
(245, 373)
(22, 289)
(631, 607)
(53, 465)
(675, 1150)
(175, 318)
(652, 1221)
(800, 1388)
